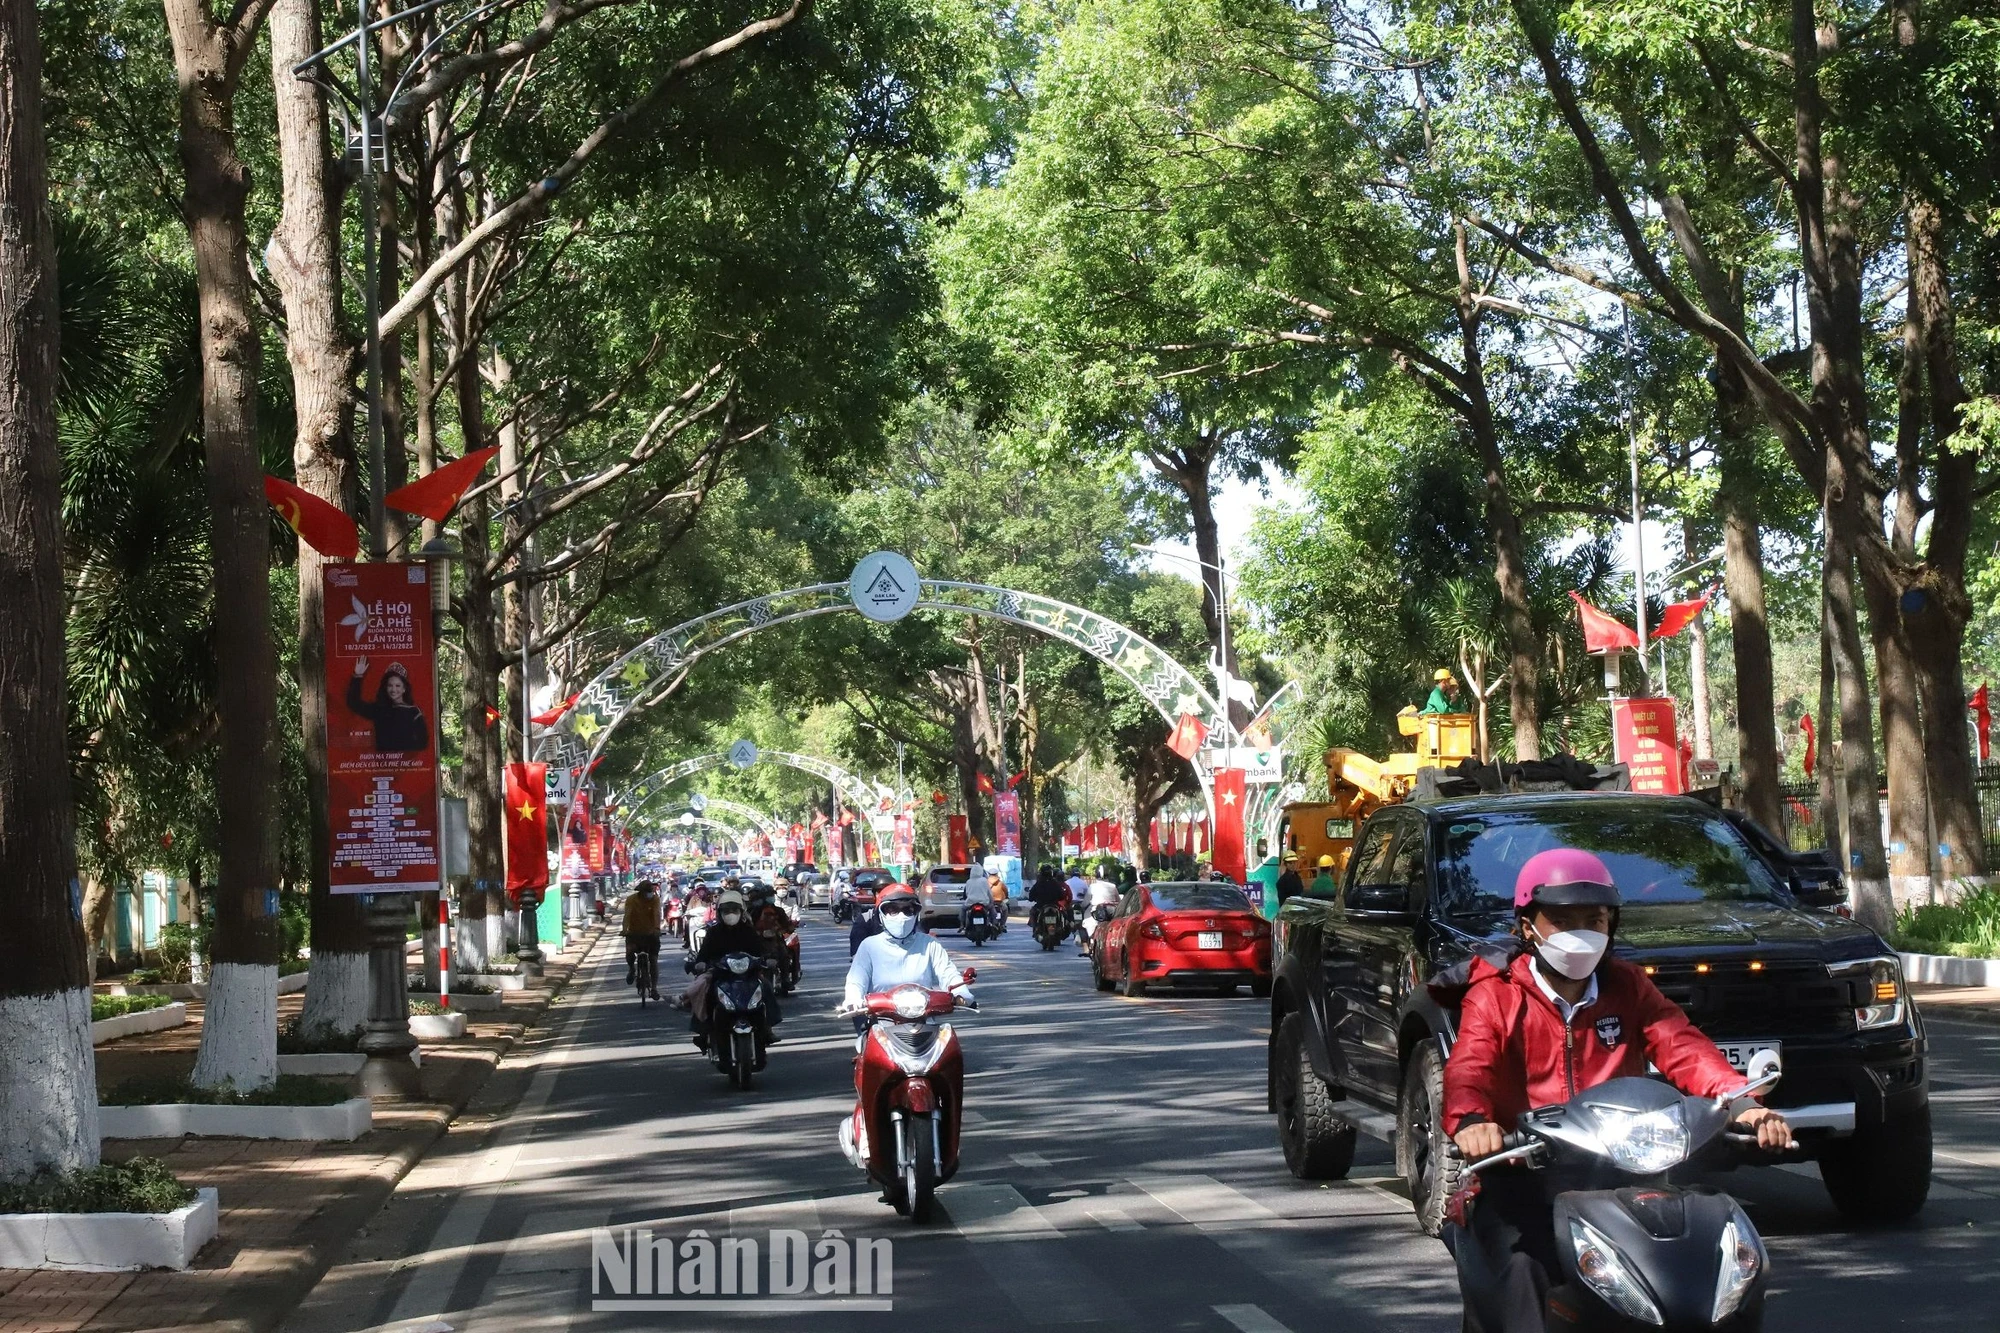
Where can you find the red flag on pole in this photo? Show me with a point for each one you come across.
(1679, 615)
(1187, 736)
(1231, 860)
(435, 494)
(1601, 633)
(318, 524)
(1812, 743)
(1982, 717)
(985, 784)
(554, 715)
(527, 827)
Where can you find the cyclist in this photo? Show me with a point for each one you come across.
(642, 935)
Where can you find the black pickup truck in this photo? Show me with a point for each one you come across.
(1712, 913)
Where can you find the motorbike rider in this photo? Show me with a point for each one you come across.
(899, 954)
(642, 931)
(1102, 892)
(1542, 1018)
(732, 932)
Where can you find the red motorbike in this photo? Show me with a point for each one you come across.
(909, 1084)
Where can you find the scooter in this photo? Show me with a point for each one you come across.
(738, 1021)
(909, 1085)
(1049, 925)
(1638, 1251)
(977, 925)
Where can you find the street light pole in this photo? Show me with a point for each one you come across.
(1228, 672)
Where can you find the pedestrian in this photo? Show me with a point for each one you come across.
(1290, 883)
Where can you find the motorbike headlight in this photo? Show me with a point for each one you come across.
(1598, 1264)
(728, 1000)
(1642, 1142)
(756, 997)
(1885, 991)
(739, 963)
(1742, 1260)
(911, 1002)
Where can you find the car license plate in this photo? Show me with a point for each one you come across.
(1740, 1053)
(1209, 939)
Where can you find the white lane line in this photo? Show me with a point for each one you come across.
(1034, 1161)
(1204, 1201)
(793, 1215)
(1112, 1219)
(557, 1241)
(1250, 1319)
(995, 1212)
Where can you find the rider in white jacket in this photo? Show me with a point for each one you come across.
(901, 953)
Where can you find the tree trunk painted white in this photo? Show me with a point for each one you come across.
(239, 1040)
(48, 1084)
(336, 993)
(471, 955)
(496, 928)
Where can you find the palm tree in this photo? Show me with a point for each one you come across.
(1463, 617)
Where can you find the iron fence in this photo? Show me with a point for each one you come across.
(1804, 829)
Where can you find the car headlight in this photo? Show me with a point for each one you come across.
(1742, 1260)
(1885, 991)
(1598, 1264)
(1642, 1142)
(911, 1002)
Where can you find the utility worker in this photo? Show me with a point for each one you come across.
(1290, 884)
(1444, 693)
(1323, 885)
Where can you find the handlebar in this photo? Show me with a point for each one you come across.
(1514, 1151)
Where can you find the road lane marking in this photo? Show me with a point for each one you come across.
(1250, 1319)
(1204, 1201)
(552, 1242)
(1112, 1219)
(1034, 1161)
(995, 1212)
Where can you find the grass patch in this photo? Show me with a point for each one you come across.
(293, 1040)
(431, 1007)
(142, 1185)
(1967, 928)
(115, 1006)
(289, 966)
(289, 1090)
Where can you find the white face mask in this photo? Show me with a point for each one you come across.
(731, 917)
(898, 925)
(1574, 953)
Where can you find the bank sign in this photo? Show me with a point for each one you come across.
(1265, 767)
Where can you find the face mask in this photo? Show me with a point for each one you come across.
(1574, 953)
(730, 918)
(898, 925)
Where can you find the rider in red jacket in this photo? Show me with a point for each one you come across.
(1537, 1026)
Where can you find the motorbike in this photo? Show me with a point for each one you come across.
(909, 1085)
(977, 924)
(676, 912)
(1049, 924)
(739, 1020)
(1086, 930)
(697, 923)
(1637, 1250)
(851, 904)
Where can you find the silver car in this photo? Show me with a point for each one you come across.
(941, 891)
(819, 891)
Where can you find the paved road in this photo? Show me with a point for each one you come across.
(1119, 1170)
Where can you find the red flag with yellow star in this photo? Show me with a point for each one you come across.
(527, 827)
(319, 525)
(1187, 736)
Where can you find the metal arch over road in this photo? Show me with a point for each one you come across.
(662, 661)
(766, 824)
(654, 783)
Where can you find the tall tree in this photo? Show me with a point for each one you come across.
(48, 1078)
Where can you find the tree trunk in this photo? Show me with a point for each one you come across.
(304, 260)
(239, 1039)
(1908, 849)
(1194, 483)
(1867, 872)
(1510, 576)
(1750, 637)
(48, 1073)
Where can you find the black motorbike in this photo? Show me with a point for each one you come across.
(1637, 1250)
(741, 1014)
(977, 923)
(1050, 925)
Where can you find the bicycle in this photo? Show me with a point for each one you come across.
(645, 973)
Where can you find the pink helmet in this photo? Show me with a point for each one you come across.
(1564, 877)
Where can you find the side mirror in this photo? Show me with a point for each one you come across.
(1104, 913)
(1817, 892)
(1380, 901)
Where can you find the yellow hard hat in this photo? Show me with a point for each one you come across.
(1325, 862)
(1441, 675)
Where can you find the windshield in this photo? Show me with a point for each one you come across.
(1199, 898)
(1659, 855)
(872, 879)
(948, 875)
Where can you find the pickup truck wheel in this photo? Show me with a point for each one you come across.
(1883, 1173)
(1423, 1155)
(1318, 1144)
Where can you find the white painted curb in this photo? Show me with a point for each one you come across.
(342, 1122)
(437, 1027)
(146, 1020)
(332, 1064)
(184, 990)
(1936, 969)
(108, 1242)
(473, 1003)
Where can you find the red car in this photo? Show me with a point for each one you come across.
(1196, 934)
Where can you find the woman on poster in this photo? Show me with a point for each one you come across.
(399, 724)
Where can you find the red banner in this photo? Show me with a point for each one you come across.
(957, 839)
(593, 850)
(1643, 739)
(527, 828)
(1229, 799)
(1007, 823)
(904, 843)
(381, 733)
(1602, 633)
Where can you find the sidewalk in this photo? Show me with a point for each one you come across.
(1962, 1004)
(287, 1208)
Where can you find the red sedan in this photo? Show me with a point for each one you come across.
(1183, 935)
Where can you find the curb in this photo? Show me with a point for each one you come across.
(261, 1304)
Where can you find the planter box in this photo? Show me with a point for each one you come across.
(437, 1027)
(1939, 969)
(499, 981)
(185, 990)
(473, 1004)
(331, 1064)
(108, 1242)
(146, 1020)
(342, 1122)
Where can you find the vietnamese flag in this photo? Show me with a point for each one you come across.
(985, 784)
(527, 827)
(1679, 615)
(1601, 633)
(1982, 716)
(1187, 736)
(1812, 744)
(492, 716)
(554, 715)
(435, 494)
(1231, 859)
(319, 525)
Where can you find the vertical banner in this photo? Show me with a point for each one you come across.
(904, 843)
(1229, 858)
(957, 839)
(594, 850)
(527, 829)
(1007, 823)
(1643, 738)
(381, 735)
